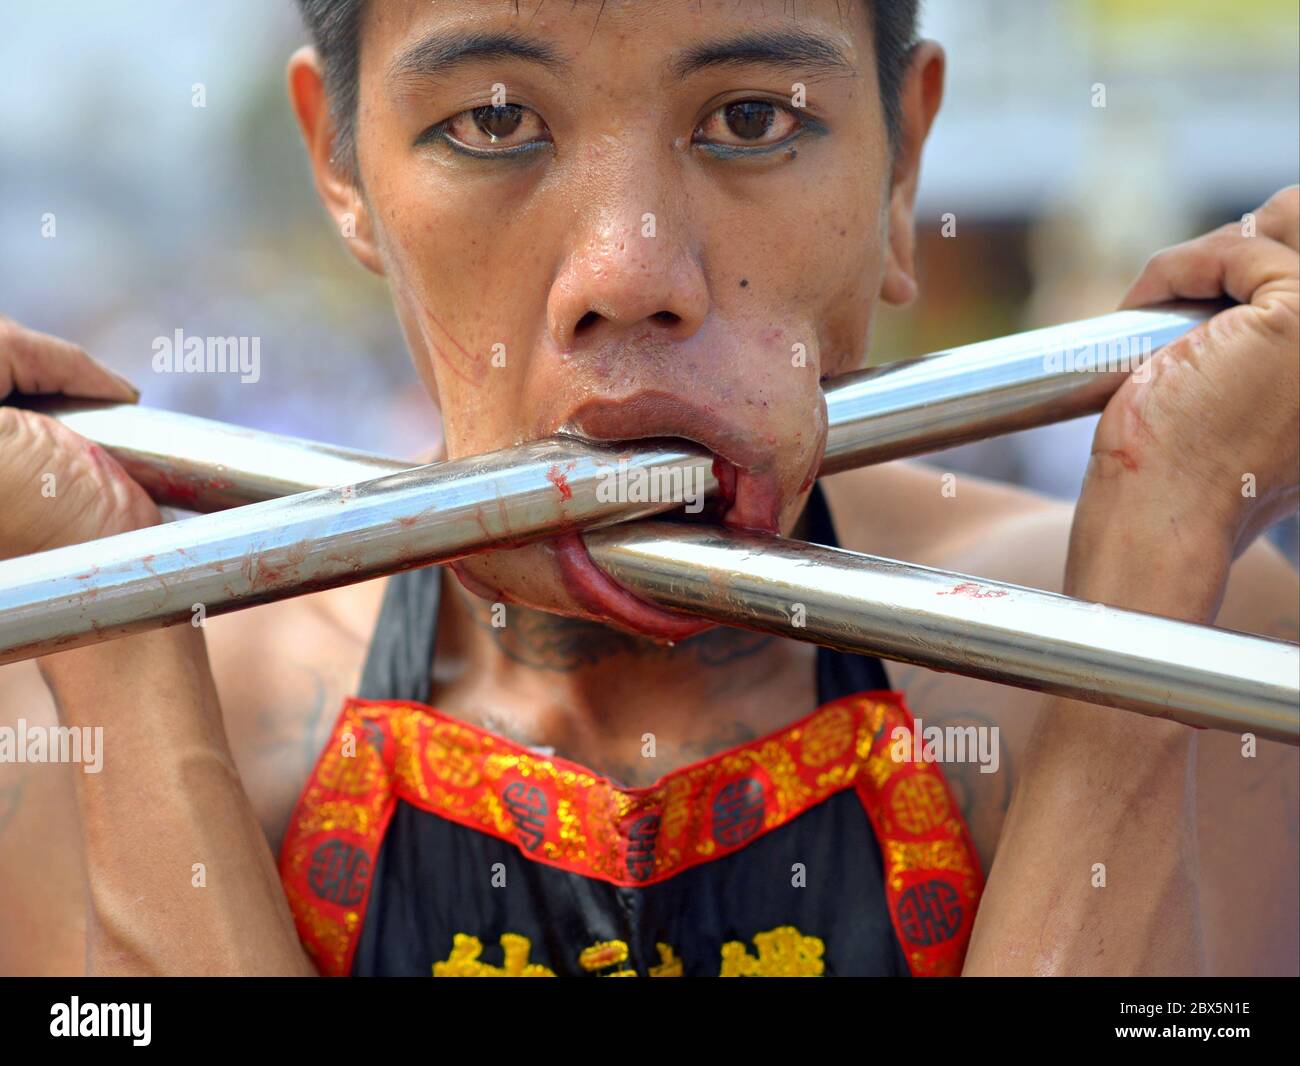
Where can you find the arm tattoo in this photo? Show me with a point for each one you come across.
(11, 796)
(977, 793)
(292, 743)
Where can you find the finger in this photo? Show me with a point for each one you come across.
(34, 362)
(1223, 262)
(1279, 218)
(98, 494)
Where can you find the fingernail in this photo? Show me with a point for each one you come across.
(135, 393)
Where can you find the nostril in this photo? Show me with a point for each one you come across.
(666, 318)
(586, 322)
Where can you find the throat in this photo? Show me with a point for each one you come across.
(624, 707)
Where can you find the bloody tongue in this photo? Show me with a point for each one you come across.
(725, 474)
(752, 502)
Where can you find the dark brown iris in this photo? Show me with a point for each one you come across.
(750, 119)
(498, 122)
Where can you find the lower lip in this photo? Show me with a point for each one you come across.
(751, 503)
(600, 594)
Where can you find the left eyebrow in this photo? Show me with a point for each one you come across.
(782, 48)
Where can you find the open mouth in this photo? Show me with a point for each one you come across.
(743, 500)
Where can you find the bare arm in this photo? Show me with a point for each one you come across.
(1097, 869)
(180, 877)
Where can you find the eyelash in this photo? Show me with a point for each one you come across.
(440, 132)
(806, 124)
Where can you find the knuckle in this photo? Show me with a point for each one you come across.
(1158, 261)
(1279, 319)
(22, 359)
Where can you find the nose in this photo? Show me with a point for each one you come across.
(629, 272)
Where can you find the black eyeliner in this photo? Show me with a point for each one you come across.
(807, 125)
(439, 133)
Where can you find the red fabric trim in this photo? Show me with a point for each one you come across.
(933, 879)
(560, 813)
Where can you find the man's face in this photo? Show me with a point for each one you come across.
(661, 231)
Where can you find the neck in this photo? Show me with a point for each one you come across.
(594, 693)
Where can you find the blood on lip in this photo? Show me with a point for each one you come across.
(725, 474)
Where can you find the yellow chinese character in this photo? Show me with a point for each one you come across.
(464, 959)
(782, 952)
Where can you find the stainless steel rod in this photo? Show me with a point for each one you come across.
(997, 386)
(1004, 633)
(198, 464)
(313, 540)
(909, 408)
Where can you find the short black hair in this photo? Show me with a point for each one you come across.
(335, 27)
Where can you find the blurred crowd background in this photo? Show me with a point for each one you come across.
(170, 216)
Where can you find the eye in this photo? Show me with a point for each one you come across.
(493, 130)
(748, 124)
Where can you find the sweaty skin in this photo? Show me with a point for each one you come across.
(645, 275)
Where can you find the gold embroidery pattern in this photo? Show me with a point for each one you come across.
(332, 937)
(919, 803)
(782, 952)
(932, 878)
(464, 959)
(903, 857)
(669, 964)
(333, 814)
(591, 815)
(352, 775)
(604, 954)
(827, 737)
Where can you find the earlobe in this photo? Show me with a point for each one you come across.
(899, 286)
(338, 191)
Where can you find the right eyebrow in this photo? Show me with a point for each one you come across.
(439, 52)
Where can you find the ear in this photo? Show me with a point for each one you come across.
(338, 191)
(919, 98)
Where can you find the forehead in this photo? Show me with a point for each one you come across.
(670, 39)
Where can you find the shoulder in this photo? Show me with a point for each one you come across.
(282, 672)
(908, 511)
(925, 515)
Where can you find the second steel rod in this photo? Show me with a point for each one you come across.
(1003, 633)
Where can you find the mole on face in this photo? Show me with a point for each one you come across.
(744, 283)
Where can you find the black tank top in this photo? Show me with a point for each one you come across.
(430, 846)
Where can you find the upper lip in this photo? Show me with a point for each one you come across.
(652, 413)
(749, 497)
